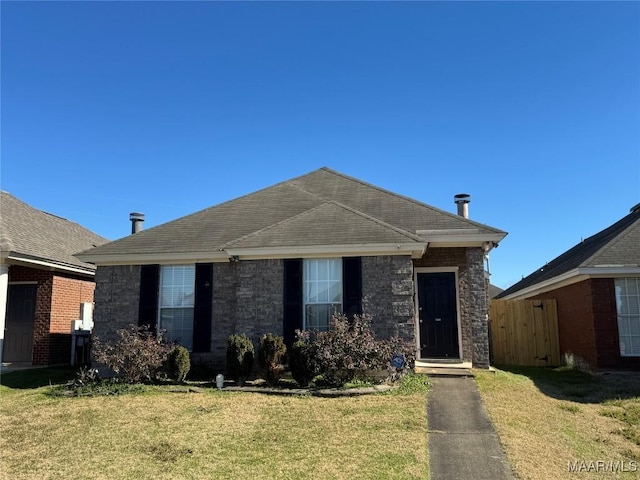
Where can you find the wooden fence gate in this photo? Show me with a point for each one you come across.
(524, 332)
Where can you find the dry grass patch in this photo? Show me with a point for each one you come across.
(211, 435)
(547, 418)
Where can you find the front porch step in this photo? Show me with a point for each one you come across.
(444, 367)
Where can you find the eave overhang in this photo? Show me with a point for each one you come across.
(574, 276)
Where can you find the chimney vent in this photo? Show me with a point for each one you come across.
(462, 200)
(136, 221)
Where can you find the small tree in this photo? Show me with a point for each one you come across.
(240, 356)
(137, 355)
(271, 353)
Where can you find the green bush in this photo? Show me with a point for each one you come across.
(178, 363)
(137, 356)
(240, 356)
(302, 359)
(271, 353)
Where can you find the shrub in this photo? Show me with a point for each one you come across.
(350, 352)
(137, 356)
(302, 359)
(178, 363)
(271, 353)
(240, 355)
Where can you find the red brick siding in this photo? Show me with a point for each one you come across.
(588, 323)
(575, 320)
(58, 301)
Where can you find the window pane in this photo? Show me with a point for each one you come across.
(628, 305)
(335, 269)
(311, 292)
(178, 323)
(336, 292)
(634, 325)
(317, 317)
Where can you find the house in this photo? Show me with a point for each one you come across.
(43, 287)
(596, 285)
(288, 256)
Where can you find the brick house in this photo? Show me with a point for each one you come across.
(42, 285)
(596, 285)
(288, 256)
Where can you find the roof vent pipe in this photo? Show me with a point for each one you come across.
(462, 200)
(136, 221)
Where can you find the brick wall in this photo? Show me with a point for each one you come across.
(387, 295)
(588, 323)
(67, 295)
(117, 295)
(247, 298)
(58, 301)
(472, 295)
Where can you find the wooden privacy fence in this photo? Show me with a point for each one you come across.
(524, 332)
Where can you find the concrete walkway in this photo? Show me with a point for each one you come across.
(463, 445)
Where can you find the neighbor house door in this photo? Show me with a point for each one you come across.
(21, 314)
(437, 315)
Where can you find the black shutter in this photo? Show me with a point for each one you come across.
(292, 299)
(352, 286)
(148, 305)
(203, 307)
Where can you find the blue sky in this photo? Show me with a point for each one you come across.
(166, 108)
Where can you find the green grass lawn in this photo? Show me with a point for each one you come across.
(547, 418)
(160, 434)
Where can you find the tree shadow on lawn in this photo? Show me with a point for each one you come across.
(38, 377)
(570, 384)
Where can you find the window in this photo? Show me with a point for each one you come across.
(628, 305)
(322, 289)
(177, 293)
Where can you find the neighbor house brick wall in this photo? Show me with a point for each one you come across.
(472, 295)
(387, 295)
(58, 299)
(67, 295)
(247, 298)
(588, 323)
(117, 296)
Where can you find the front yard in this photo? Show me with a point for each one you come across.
(160, 434)
(559, 423)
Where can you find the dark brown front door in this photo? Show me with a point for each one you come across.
(21, 313)
(438, 315)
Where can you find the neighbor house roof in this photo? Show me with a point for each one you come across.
(323, 209)
(32, 237)
(613, 251)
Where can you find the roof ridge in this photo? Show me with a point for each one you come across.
(379, 222)
(412, 200)
(273, 225)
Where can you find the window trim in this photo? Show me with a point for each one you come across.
(629, 316)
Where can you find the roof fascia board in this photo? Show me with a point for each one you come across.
(154, 258)
(416, 250)
(38, 263)
(573, 276)
(460, 239)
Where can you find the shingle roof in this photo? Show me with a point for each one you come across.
(615, 246)
(323, 207)
(30, 233)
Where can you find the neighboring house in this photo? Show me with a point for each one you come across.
(42, 285)
(494, 291)
(286, 257)
(596, 285)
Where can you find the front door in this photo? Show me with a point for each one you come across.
(437, 314)
(21, 314)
